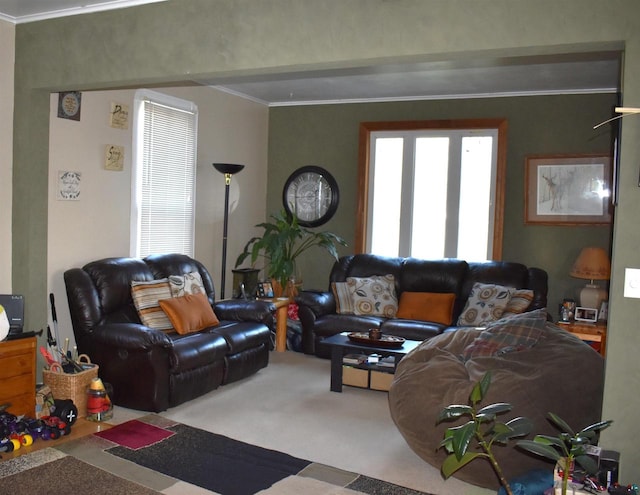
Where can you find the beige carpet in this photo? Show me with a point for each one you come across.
(288, 407)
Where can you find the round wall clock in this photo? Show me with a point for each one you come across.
(311, 194)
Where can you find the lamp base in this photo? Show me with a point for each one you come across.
(591, 296)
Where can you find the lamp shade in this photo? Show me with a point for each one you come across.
(228, 168)
(592, 264)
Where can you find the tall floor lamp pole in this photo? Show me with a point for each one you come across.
(228, 169)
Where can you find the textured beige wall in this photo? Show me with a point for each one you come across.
(230, 129)
(7, 53)
(172, 41)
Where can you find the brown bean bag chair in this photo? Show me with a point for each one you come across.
(537, 372)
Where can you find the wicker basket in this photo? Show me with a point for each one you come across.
(71, 386)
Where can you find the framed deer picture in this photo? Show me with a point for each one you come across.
(567, 190)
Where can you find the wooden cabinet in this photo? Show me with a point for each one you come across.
(18, 375)
(589, 332)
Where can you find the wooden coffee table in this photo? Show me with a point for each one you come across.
(341, 345)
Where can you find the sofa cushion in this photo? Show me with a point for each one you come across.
(426, 306)
(195, 350)
(189, 283)
(189, 313)
(486, 303)
(519, 302)
(375, 296)
(513, 334)
(146, 295)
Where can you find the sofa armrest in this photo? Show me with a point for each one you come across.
(129, 336)
(246, 310)
(319, 303)
(313, 304)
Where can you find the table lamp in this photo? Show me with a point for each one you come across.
(228, 169)
(592, 264)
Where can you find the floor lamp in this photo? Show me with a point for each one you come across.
(228, 169)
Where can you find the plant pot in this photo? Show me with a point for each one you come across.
(290, 291)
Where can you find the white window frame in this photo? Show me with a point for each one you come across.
(370, 130)
(189, 159)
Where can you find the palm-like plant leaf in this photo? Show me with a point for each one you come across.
(282, 241)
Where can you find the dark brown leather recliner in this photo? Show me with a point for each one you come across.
(153, 370)
(317, 309)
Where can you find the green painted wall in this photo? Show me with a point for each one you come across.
(327, 135)
(178, 40)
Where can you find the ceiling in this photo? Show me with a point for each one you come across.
(569, 73)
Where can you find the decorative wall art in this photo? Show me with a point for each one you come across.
(568, 190)
(68, 185)
(114, 157)
(119, 116)
(69, 105)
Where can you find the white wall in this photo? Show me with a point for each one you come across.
(230, 129)
(7, 60)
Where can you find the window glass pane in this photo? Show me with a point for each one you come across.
(430, 197)
(387, 184)
(475, 198)
(164, 188)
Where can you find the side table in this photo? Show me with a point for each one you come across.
(18, 375)
(590, 332)
(281, 304)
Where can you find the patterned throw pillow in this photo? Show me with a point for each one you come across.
(514, 334)
(145, 298)
(344, 302)
(519, 302)
(486, 303)
(189, 283)
(373, 296)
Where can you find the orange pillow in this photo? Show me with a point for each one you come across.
(426, 306)
(189, 313)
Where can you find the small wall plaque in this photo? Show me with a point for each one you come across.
(114, 157)
(119, 116)
(69, 105)
(69, 185)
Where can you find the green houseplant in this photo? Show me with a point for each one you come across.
(483, 429)
(282, 241)
(567, 447)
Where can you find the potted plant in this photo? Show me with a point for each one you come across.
(482, 429)
(282, 241)
(567, 447)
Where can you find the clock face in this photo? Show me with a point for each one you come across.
(311, 194)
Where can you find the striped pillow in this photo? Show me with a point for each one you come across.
(519, 302)
(344, 304)
(146, 296)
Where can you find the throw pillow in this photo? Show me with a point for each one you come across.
(513, 334)
(342, 295)
(426, 306)
(189, 313)
(189, 283)
(145, 298)
(486, 303)
(519, 302)
(374, 296)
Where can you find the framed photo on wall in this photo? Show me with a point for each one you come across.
(567, 190)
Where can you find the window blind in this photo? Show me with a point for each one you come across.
(166, 178)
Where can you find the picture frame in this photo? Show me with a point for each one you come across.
(265, 290)
(568, 189)
(586, 314)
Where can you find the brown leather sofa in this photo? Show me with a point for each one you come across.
(150, 369)
(317, 309)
